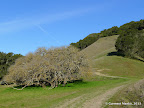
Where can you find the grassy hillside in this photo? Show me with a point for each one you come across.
(101, 47)
(112, 65)
(119, 66)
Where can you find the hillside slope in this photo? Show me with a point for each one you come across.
(112, 65)
(101, 47)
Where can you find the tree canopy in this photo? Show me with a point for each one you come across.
(130, 43)
(48, 67)
(6, 60)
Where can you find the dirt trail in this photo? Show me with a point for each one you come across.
(97, 102)
(69, 102)
(98, 72)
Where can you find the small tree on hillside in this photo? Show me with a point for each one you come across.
(48, 66)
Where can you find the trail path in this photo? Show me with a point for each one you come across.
(95, 102)
(98, 72)
(70, 102)
(98, 100)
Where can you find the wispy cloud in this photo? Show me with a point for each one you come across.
(28, 22)
(48, 34)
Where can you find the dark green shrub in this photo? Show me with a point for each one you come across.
(7, 60)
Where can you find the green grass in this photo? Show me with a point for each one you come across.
(45, 97)
(120, 66)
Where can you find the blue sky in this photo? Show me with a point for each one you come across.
(26, 25)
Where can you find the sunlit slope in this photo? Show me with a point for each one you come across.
(112, 65)
(119, 66)
(101, 47)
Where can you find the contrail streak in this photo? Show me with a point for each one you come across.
(52, 37)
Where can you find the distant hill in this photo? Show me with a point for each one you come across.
(131, 27)
(91, 38)
(104, 58)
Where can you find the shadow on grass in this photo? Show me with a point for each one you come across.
(69, 84)
(115, 53)
(28, 87)
(74, 83)
(138, 59)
